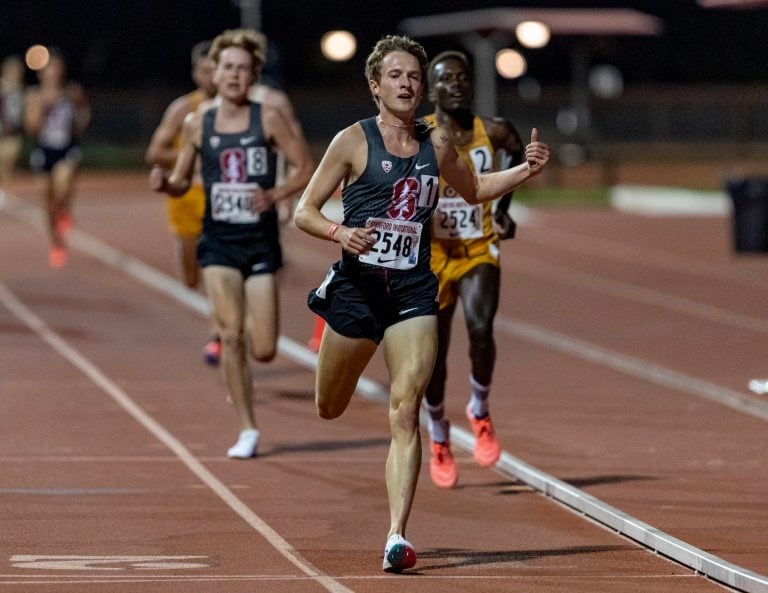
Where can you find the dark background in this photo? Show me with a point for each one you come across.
(120, 43)
(697, 91)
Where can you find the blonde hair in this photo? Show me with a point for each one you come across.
(253, 42)
(387, 45)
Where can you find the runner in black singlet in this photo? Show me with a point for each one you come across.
(239, 248)
(57, 115)
(382, 291)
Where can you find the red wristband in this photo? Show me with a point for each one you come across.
(333, 228)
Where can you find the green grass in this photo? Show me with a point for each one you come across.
(112, 156)
(100, 155)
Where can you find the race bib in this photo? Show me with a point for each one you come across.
(455, 219)
(396, 246)
(233, 203)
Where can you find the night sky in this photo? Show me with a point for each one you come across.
(137, 43)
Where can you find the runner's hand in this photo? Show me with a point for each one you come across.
(504, 225)
(536, 153)
(357, 241)
(157, 178)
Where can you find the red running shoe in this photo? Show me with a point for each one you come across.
(58, 257)
(487, 447)
(212, 352)
(442, 465)
(64, 223)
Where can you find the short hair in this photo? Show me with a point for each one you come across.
(251, 41)
(199, 51)
(387, 45)
(442, 57)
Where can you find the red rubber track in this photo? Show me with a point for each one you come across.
(625, 347)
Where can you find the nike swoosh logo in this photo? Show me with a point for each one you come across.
(405, 311)
(387, 260)
(418, 167)
(247, 140)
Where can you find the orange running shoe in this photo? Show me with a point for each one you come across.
(442, 465)
(58, 257)
(212, 351)
(487, 447)
(64, 222)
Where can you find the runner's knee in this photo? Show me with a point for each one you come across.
(404, 415)
(328, 409)
(231, 340)
(262, 353)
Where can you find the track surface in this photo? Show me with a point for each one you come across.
(625, 347)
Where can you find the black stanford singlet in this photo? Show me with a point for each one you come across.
(397, 197)
(232, 166)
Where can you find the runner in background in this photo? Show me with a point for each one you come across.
(185, 213)
(57, 115)
(239, 248)
(465, 258)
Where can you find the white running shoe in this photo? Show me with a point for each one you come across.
(398, 554)
(246, 444)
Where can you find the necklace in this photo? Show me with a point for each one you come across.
(399, 126)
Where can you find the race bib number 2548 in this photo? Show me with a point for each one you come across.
(396, 246)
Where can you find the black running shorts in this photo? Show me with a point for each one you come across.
(45, 159)
(363, 303)
(250, 257)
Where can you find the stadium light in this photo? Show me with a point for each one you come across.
(484, 31)
(606, 81)
(533, 34)
(338, 46)
(510, 63)
(37, 57)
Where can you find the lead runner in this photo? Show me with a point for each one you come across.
(382, 291)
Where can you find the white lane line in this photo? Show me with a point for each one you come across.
(80, 579)
(635, 293)
(636, 367)
(37, 325)
(640, 256)
(509, 466)
(69, 562)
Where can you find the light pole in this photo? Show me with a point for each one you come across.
(250, 13)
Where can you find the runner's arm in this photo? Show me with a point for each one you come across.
(179, 181)
(476, 189)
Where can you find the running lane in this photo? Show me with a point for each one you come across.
(112, 438)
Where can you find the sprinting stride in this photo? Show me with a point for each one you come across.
(382, 290)
(239, 248)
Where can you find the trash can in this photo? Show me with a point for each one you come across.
(750, 213)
